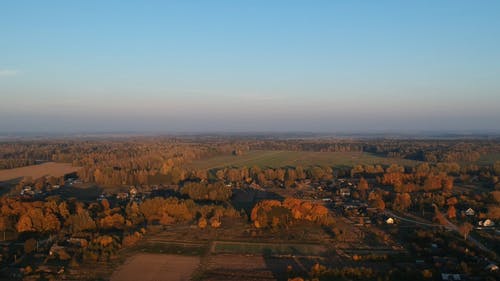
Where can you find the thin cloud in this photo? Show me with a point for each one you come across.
(8, 72)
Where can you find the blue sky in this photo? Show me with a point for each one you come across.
(249, 65)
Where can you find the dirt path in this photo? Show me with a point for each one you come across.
(156, 267)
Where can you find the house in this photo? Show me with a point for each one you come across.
(122, 196)
(450, 277)
(79, 242)
(132, 191)
(487, 223)
(470, 212)
(255, 186)
(491, 267)
(345, 192)
(59, 251)
(27, 191)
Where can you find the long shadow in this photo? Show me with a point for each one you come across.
(8, 185)
(247, 198)
(284, 268)
(84, 194)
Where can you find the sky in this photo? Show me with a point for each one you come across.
(239, 66)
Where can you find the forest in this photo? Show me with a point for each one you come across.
(415, 198)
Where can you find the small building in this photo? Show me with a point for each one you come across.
(255, 186)
(345, 192)
(59, 251)
(450, 277)
(122, 196)
(470, 212)
(28, 191)
(487, 223)
(492, 267)
(132, 191)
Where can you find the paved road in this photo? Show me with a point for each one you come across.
(393, 215)
(451, 226)
(448, 225)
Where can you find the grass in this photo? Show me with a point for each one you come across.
(275, 159)
(489, 159)
(173, 248)
(265, 248)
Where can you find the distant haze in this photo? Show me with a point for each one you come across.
(236, 66)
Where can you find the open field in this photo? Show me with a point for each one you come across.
(236, 267)
(37, 171)
(268, 248)
(276, 159)
(489, 159)
(156, 267)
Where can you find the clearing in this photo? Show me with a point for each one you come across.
(489, 159)
(276, 159)
(37, 171)
(156, 267)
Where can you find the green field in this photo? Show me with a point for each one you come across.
(275, 159)
(489, 159)
(173, 248)
(266, 248)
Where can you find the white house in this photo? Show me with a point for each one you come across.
(492, 267)
(450, 277)
(488, 222)
(470, 212)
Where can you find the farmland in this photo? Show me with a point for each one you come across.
(489, 159)
(268, 248)
(275, 159)
(151, 267)
(37, 171)
(171, 210)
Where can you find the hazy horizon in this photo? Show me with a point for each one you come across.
(257, 66)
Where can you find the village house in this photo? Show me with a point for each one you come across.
(492, 267)
(486, 223)
(345, 192)
(132, 191)
(122, 196)
(450, 277)
(470, 212)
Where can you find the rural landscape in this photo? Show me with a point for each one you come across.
(273, 140)
(250, 208)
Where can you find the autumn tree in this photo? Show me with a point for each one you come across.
(465, 229)
(452, 212)
(402, 202)
(30, 245)
(81, 221)
(363, 188)
(115, 221)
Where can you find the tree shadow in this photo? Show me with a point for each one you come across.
(87, 194)
(285, 267)
(247, 198)
(8, 185)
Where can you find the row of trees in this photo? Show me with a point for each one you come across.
(55, 215)
(217, 191)
(276, 214)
